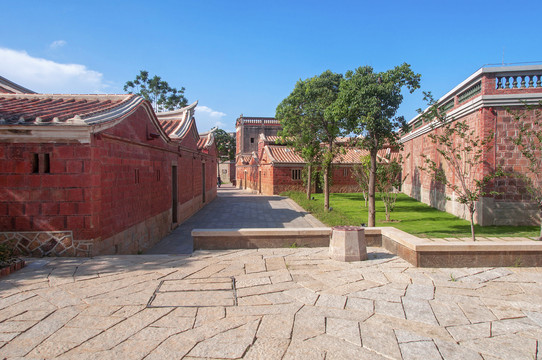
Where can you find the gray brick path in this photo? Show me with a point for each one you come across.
(232, 209)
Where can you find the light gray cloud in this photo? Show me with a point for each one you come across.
(57, 44)
(46, 76)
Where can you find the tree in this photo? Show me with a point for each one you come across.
(309, 126)
(462, 149)
(389, 181)
(298, 130)
(158, 92)
(361, 173)
(528, 141)
(225, 144)
(369, 102)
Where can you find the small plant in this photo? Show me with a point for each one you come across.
(294, 246)
(452, 278)
(6, 253)
(517, 262)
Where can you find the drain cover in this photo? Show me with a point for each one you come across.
(194, 293)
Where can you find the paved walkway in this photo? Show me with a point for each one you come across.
(234, 208)
(267, 304)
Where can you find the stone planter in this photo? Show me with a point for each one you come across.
(348, 244)
(17, 264)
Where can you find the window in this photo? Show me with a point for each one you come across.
(296, 174)
(252, 140)
(36, 163)
(345, 172)
(45, 161)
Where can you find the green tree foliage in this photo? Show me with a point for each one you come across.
(369, 102)
(462, 150)
(157, 91)
(389, 181)
(360, 172)
(308, 125)
(528, 141)
(225, 144)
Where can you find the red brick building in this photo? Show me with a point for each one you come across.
(267, 167)
(482, 101)
(97, 174)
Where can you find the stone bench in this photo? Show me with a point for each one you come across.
(254, 238)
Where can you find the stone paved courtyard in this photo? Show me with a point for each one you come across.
(267, 304)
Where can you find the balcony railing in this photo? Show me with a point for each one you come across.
(523, 81)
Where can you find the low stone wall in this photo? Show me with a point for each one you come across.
(418, 252)
(223, 239)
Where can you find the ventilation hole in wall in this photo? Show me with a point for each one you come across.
(252, 140)
(136, 176)
(35, 163)
(46, 164)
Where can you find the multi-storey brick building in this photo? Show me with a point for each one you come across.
(484, 100)
(97, 174)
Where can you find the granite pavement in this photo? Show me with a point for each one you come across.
(268, 304)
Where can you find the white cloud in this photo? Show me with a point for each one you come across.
(46, 76)
(207, 118)
(57, 44)
(210, 112)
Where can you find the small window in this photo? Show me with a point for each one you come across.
(345, 172)
(296, 174)
(46, 164)
(136, 176)
(252, 140)
(35, 163)
(157, 174)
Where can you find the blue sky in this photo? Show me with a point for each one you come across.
(244, 57)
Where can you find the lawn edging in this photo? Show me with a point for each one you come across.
(417, 251)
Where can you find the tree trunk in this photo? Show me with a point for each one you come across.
(326, 188)
(309, 181)
(472, 225)
(372, 185)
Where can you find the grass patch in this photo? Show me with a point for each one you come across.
(409, 215)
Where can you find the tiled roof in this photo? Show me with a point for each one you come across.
(4, 90)
(9, 87)
(244, 159)
(41, 109)
(177, 123)
(286, 155)
(206, 141)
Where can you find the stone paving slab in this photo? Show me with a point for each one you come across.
(299, 305)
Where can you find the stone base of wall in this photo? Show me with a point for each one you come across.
(46, 243)
(137, 238)
(490, 212)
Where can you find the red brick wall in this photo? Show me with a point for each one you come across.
(101, 190)
(507, 157)
(58, 200)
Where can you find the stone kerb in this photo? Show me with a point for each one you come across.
(348, 244)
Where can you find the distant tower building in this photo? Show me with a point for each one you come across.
(248, 131)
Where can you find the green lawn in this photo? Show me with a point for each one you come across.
(413, 216)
